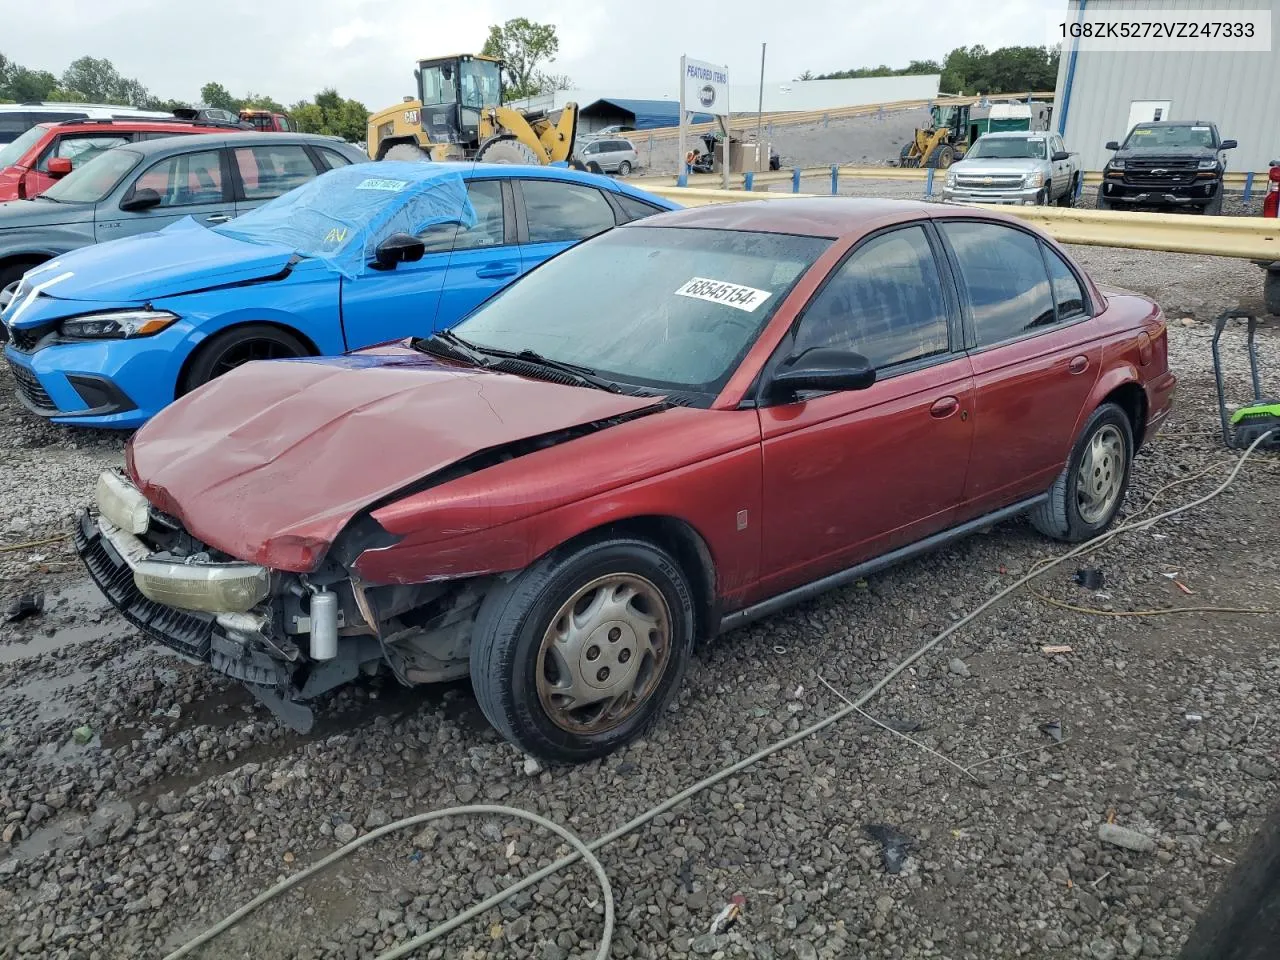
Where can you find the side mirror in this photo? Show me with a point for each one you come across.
(59, 166)
(143, 199)
(1227, 145)
(398, 248)
(1113, 145)
(1059, 155)
(824, 368)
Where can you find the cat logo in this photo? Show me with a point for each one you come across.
(411, 116)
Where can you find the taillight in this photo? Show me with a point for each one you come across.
(1271, 202)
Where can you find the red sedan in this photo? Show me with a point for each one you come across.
(668, 430)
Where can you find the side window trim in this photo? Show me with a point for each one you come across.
(1086, 312)
(224, 169)
(970, 336)
(523, 212)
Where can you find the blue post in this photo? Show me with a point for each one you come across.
(928, 183)
(749, 181)
(683, 179)
(880, 115)
(795, 180)
(770, 128)
(825, 120)
(1248, 186)
(835, 180)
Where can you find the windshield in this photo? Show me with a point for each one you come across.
(1008, 148)
(97, 178)
(438, 83)
(1186, 135)
(665, 307)
(480, 84)
(13, 152)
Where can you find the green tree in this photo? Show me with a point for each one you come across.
(522, 45)
(260, 101)
(332, 115)
(807, 75)
(216, 95)
(25, 84)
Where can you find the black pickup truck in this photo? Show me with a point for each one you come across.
(1170, 164)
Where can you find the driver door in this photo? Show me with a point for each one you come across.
(851, 475)
(459, 269)
(195, 184)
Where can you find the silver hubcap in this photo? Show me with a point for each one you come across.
(1100, 475)
(604, 653)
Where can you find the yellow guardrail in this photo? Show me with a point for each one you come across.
(1233, 180)
(1249, 238)
(795, 117)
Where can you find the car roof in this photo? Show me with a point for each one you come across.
(1014, 134)
(143, 124)
(505, 170)
(801, 216)
(244, 138)
(1175, 123)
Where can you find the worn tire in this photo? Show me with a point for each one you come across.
(209, 356)
(514, 618)
(1059, 516)
(1068, 199)
(1271, 291)
(1101, 202)
(624, 168)
(1214, 207)
(1045, 197)
(406, 151)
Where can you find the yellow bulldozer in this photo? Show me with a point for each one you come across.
(459, 115)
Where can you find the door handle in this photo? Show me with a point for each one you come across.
(496, 271)
(1078, 364)
(218, 218)
(944, 407)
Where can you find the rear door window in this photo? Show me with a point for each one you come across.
(635, 209)
(1003, 275)
(332, 159)
(272, 169)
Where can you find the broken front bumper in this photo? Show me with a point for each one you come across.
(217, 613)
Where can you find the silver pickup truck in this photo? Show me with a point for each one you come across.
(1014, 167)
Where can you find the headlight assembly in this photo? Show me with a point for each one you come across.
(1115, 165)
(1033, 179)
(116, 325)
(1208, 164)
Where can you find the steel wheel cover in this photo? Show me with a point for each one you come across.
(604, 653)
(1100, 475)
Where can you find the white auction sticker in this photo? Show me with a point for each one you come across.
(392, 186)
(729, 294)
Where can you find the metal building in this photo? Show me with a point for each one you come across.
(1101, 95)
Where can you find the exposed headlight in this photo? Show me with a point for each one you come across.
(1115, 164)
(208, 588)
(1034, 179)
(121, 503)
(1208, 164)
(117, 325)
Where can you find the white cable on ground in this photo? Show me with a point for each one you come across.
(586, 851)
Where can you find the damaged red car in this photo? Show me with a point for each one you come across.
(666, 431)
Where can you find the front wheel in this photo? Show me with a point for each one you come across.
(229, 349)
(580, 653)
(406, 151)
(1086, 496)
(1214, 207)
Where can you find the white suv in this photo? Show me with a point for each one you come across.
(17, 118)
(610, 155)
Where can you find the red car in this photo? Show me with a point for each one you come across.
(667, 431)
(264, 121)
(35, 161)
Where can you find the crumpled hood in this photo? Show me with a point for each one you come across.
(270, 461)
(179, 259)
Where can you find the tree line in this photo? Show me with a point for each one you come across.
(973, 70)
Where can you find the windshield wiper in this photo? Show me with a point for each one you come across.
(584, 375)
(454, 346)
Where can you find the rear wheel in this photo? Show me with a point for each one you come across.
(1068, 199)
(1085, 498)
(406, 151)
(231, 348)
(580, 653)
(624, 168)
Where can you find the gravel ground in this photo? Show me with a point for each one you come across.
(185, 798)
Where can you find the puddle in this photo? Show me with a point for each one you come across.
(72, 615)
(65, 827)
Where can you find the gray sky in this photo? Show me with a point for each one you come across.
(289, 49)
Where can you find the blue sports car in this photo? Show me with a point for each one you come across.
(106, 336)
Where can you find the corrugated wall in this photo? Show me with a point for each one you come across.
(1240, 92)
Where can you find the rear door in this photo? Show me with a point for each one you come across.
(1035, 359)
(556, 214)
(269, 170)
(195, 184)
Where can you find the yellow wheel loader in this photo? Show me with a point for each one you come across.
(942, 142)
(459, 115)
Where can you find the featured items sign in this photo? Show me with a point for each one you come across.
(706, 88)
